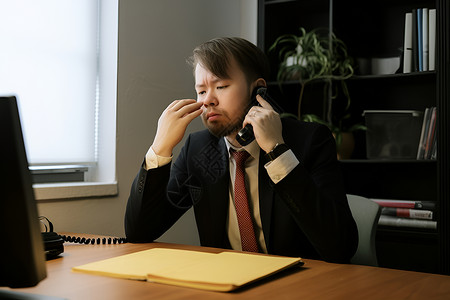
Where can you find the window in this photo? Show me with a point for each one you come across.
(60, 60)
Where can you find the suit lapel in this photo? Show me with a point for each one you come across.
(218, 195)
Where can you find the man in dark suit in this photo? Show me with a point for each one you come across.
(293, 187)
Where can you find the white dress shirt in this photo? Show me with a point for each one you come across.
(277, 170)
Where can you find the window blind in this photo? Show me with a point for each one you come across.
(48, 60)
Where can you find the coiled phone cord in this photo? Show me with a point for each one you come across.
(92, 241)
(81, 240)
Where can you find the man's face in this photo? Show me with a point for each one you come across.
(225, 101)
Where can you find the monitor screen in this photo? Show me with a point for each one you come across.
(22, 258)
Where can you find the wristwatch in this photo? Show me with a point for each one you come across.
(276, 151)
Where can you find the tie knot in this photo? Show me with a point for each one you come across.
(240, 156)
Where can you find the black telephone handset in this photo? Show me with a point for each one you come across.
(245, 136)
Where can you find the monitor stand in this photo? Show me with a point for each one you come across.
(14, 295)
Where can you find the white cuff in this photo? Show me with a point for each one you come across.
(153, 161)
(281, 166)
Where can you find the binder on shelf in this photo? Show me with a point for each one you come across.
(415, 45)
(425, 40)
(419, 48)
(419, 39)
(432, 40)
(407, 44)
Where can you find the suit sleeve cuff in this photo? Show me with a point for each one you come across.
(153, 161)
(281, 166)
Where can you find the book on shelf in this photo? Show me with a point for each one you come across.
(405, 222)
(423, 133)
(427, 142)
(419, 39)
(431, 137)
(412, 204)
(419, 45)
(406, 213)
(410, 213)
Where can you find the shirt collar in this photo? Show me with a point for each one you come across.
(252, 148)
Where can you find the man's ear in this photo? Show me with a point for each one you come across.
(259, 82)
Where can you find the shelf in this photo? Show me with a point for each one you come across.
(388, 161)
(270, 2)
(303, 3)
(408, 231)
(405, 76)
(427, 75)
(408, 249)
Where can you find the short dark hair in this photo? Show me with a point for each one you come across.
(215, 56)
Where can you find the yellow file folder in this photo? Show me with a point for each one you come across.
(224, 271)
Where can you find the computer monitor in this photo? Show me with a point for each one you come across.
(22, 258)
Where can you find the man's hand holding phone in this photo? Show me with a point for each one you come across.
(266, 124)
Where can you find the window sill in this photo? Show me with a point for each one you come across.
(53, 191)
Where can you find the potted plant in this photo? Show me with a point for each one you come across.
(318, 55)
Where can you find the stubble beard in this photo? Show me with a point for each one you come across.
(222, 129)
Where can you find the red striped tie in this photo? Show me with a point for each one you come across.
(245, 222)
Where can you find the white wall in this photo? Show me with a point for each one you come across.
(155, 38)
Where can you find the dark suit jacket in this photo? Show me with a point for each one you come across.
(306, 214)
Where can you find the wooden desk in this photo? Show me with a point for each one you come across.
(315, 280)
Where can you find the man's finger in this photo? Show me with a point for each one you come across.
(190, 108)
(263, 102)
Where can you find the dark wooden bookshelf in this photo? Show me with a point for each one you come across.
(408, 249)
(391, 179)
(375, 29)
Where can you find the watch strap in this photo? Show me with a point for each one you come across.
(276, 152)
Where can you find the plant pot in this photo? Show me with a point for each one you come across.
(345, 149)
